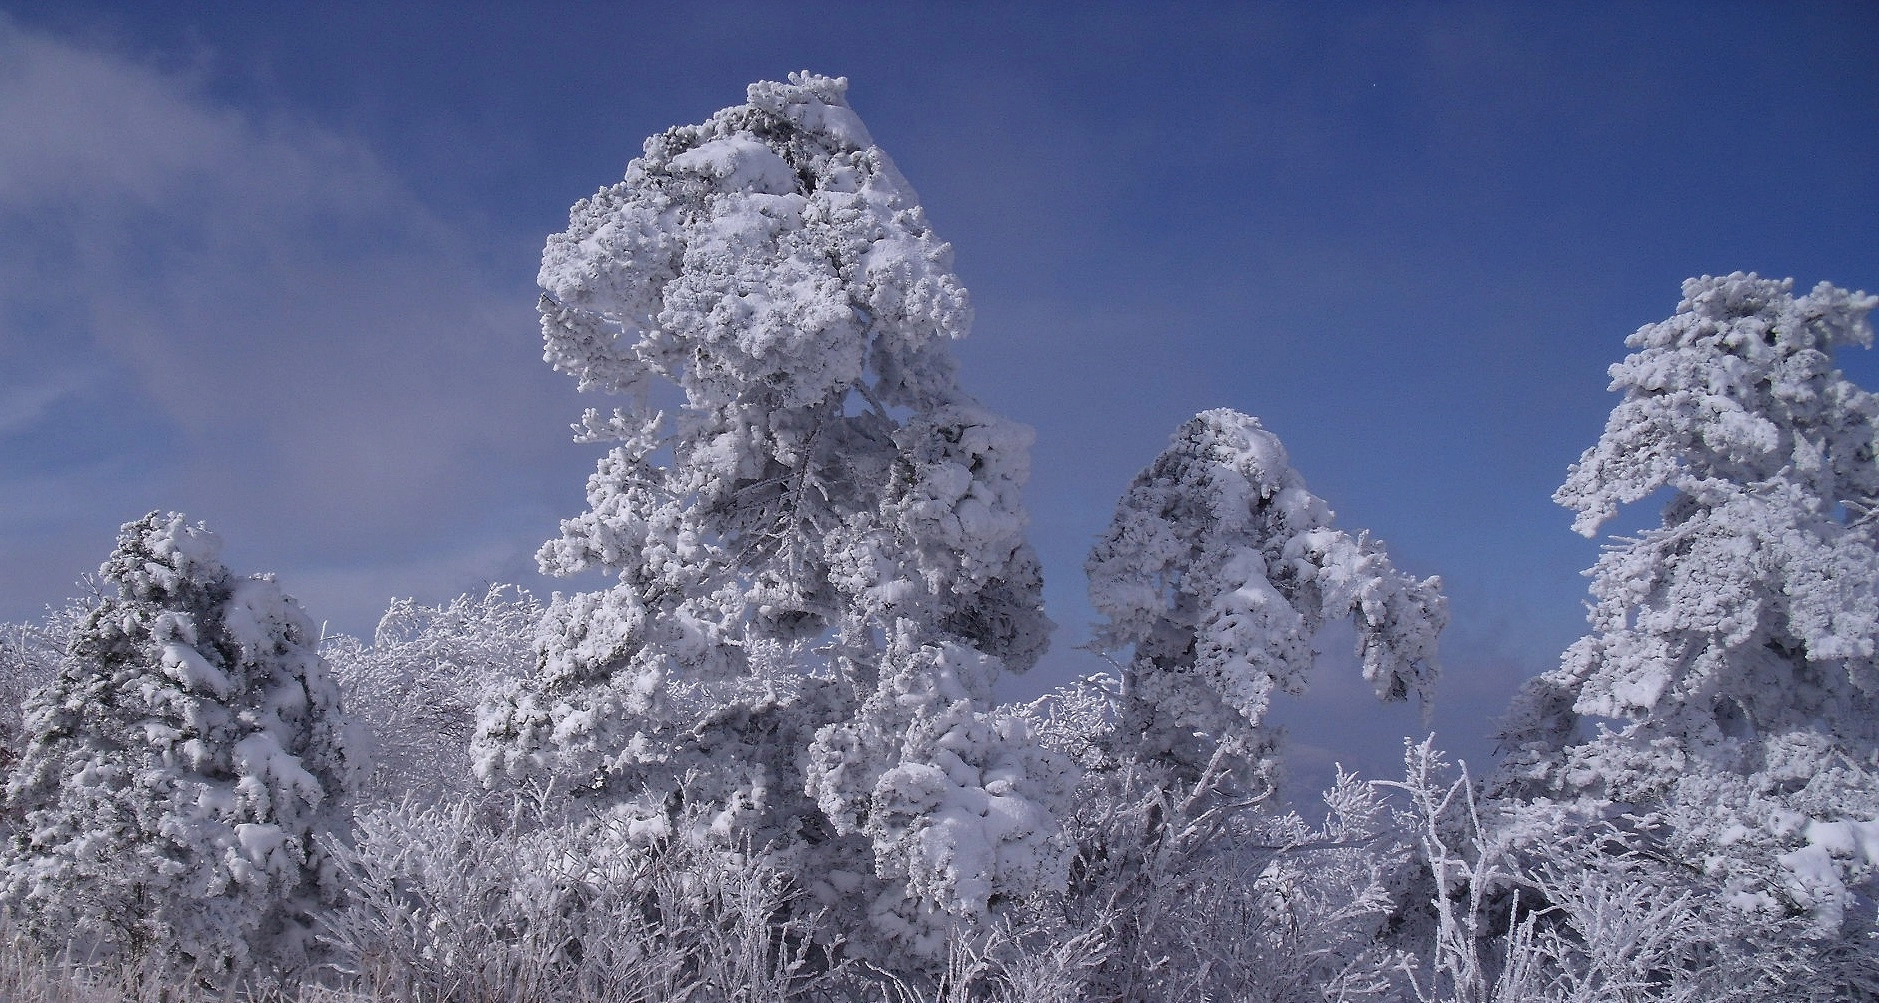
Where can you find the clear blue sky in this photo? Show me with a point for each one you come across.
(273, 264)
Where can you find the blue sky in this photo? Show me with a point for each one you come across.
(274, 267)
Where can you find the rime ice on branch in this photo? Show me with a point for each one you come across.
(1215, 574)
(821, 556)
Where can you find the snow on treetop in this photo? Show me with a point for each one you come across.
(772, 253)
(1738, 386)
(160, 552)
(817, 103)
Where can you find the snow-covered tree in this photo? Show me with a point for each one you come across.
(416, 687)
(27, 662)
(1215, 574)
(29, 658)
(821, 556)
(1728, 693)
(181, 767)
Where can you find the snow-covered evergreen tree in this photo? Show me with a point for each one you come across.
(1215, 574)
(181, 767)
(821, 557)
(1728, 693)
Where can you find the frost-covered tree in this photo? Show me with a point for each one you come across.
(27, 661)
(416, 687)
(821, 555)
(1727, 693)
(1215, 574)
(29, 658)
(181, 767)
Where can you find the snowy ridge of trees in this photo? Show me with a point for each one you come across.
(766, 762)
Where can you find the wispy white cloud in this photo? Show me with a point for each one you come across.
(23, 402)
(311, 351)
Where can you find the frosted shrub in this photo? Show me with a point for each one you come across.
(29, 658)
(416, 687)
(1202, 890)
(180, 768)
(448, 904)
(1200, 899)
(1533, 903)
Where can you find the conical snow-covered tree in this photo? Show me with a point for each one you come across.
(1215, 574)
(181, 768)
(1728, 689)
(821, 555)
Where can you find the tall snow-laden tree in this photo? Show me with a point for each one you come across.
(1728, 690)
(821, 555)
(182, 766)
(1215, 574)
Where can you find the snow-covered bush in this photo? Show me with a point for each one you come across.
(447, 904)
(181, 767)
(1524, 903)
(416, 686)
(1200, 902)
(1182, 893)
(1726, 700)
(1215, 574)
(27, 662)
(821, 558)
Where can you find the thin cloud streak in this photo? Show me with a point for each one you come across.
(324, 354)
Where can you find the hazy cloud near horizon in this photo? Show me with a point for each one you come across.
(272, 328)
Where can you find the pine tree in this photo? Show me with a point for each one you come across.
(1215, 574)
(181, 768)
(1726, 699)
(821, 558)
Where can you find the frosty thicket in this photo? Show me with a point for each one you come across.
(766, 762)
